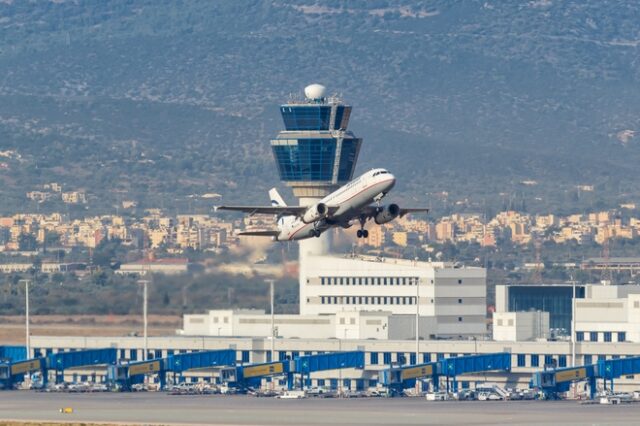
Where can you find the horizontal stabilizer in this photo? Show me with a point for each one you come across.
(260, 233)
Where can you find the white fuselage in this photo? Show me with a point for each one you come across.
(349, 200)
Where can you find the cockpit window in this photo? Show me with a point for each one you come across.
(382, 172)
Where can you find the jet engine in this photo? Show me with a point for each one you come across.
(387, 214)
(315, 213)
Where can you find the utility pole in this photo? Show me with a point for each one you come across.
(144, 316)
(573, 324)
(26, 304)
(417, 282)
(146, 300)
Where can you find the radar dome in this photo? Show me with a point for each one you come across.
(314, 91)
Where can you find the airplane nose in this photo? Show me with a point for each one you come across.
(392, 181)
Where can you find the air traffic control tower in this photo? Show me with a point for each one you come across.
(315, 154)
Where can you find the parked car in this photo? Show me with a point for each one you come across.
(292, 394)
(466, 395)
(489, 396)
(437, 396)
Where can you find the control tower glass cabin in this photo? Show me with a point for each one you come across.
(315, 154)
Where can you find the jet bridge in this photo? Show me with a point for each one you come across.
(179, 363)
(252, 374)
(64, 360)
(14, 372)
(129, 374)
(614, 368)
(12, 353)
(126, 375)
(557, 380)
(452, 367)
(403, 377)
(307, 364)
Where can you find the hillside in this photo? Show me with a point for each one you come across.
(156, 100)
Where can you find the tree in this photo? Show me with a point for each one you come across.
(108, 252)
(100, 278)
(51, 239)
(27, 242)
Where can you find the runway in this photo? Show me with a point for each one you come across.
(159, 408)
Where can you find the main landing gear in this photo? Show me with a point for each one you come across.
(362, 233)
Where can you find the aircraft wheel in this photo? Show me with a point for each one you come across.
(365, 234)
(359, 233)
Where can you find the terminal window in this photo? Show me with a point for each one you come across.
(588, 359)
(521, 360)
(562, 361)
(607, 336)
(580, 336)
(374, 358)
(593, 336)
(535, 360)
(622, 336)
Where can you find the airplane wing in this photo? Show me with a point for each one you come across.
(260, 233)
(279, 210)
(276, 210)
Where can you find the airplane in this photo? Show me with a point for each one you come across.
(351, 202)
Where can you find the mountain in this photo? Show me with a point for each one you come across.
(157, 100)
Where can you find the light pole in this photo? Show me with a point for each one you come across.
(26, 308)
(340, 390)
(144, 315)
(417, 282)
(273, 322)
(573, 323)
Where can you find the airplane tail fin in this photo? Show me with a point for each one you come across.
(276, 199)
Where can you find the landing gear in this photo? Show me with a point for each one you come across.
(316, 233)
(362, 233)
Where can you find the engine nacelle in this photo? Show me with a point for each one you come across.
(315, 213)
(387, 214)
